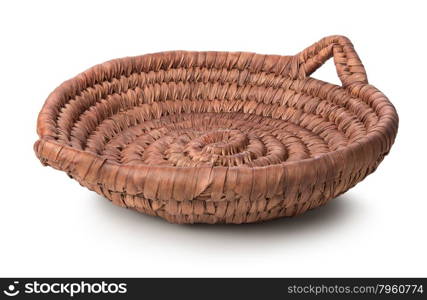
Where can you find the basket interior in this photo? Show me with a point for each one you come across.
(196, 109)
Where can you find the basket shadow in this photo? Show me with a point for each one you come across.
(322, 219)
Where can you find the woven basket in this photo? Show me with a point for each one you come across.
(219, 137)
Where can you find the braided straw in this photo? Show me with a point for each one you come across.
(219, 137)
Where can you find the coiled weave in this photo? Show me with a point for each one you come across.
(219, 137)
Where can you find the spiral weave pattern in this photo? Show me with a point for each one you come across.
(218, 137)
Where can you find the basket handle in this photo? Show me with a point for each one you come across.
(349, 67)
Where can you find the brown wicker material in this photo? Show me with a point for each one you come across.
(219, 137)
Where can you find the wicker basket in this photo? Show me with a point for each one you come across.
(219, 137)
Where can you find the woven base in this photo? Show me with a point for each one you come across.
(214, 139)
(217, 137)
(236, 212)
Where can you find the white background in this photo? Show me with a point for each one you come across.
(50, 226)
